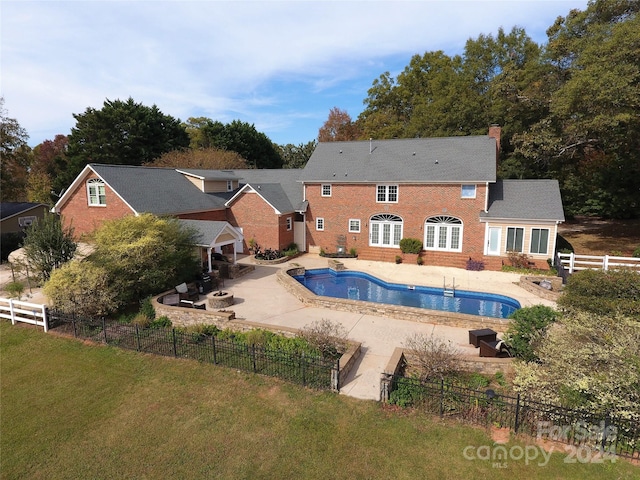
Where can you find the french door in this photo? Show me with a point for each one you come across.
(385, 231)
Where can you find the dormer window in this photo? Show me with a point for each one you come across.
(96, 193)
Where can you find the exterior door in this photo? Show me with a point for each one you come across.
(493, 245)
(385, 231)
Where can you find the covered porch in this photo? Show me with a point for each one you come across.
(212, 236)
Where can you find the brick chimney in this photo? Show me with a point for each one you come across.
(494, 132)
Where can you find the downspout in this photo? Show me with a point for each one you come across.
(486, 198)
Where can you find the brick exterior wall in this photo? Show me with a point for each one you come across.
(84, 218)
(259, 221)
(415, 204)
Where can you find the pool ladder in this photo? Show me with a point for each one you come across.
(449, 290)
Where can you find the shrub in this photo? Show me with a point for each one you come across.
(410, 245)
(291, 250)
(475, 265)
(161, 322)
(141, 320)
(636, 253)
(398, 259)
(330, 338)
(603, 292)
(14, 289)
(526, 330)
(420, 260)
(435, 357)
(519, 260)
(146, 308)
(354, 253)
(407, 394)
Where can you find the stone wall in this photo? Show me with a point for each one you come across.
(530, 284)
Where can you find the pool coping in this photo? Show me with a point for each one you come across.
(422, 315)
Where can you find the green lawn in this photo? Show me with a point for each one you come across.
(73, 410)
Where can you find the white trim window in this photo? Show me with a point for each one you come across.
(468, 191)
(96, 193)
(25, 222)
(539, 241)
(354, 225)
(289, 224)
(319, 223)
(326, 190)
(443, 233)
(515, 239)
(387, 193)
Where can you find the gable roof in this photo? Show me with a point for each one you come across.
(525, 199)
(10, 209)
(433, 160)
(280, 188)
(209, 232)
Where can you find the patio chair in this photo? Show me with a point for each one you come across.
(496, 349)
(187, 293)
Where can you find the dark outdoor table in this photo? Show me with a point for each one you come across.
(485, 334)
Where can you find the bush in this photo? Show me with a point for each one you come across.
(146, 308)
(161, 322)
(435, 357)
(603, 292)
(636, 253)
(410, 245)
(330, 338)
(526, 330)
(475, 265)
(14, 289)
(407, 394)
(519, 260)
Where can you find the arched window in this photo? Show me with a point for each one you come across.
(385, 230)
(443, 233)
(96, 192)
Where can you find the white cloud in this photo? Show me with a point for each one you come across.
(279, 65)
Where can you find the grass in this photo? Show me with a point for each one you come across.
(77, 410)
(594, 236)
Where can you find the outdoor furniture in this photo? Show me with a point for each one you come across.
(172, 299)
(494, 349)
(187, 293)
(486, 334)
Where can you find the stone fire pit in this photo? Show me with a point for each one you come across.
(221, 299)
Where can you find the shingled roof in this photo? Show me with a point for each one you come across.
(525, 199)
(432, 160)
(161, 191)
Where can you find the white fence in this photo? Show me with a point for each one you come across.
(573, 262)
(25, 312)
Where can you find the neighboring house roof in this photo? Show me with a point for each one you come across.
(11, 209)
(425, 160)
(525, 199)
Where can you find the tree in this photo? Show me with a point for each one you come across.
(49, 160)
(297, 156)
(82, 288)
(15, 155)
(206, 158)
(243, 138)
(339, 127)
(587, 361)
(145, 255)
(48, 244)
(121, 133)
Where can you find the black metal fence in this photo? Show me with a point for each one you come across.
(310, 371)
(596, 431)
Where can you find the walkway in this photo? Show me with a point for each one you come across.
(260, 298)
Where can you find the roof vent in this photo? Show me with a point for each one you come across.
(436, 162)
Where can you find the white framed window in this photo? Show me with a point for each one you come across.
(319, 223)
(96, 192)
(515, 239)
(354, 225)
(468, 191)
(539, 240)
(385, 230)
(288, 223)
(387, 193)
(326, 189)
(443, 233)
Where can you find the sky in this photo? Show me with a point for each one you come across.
(279, 65)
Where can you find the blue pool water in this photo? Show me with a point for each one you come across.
(362, 286)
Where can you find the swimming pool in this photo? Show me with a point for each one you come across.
(362, 286)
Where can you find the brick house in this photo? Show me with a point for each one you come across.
(362, 195)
